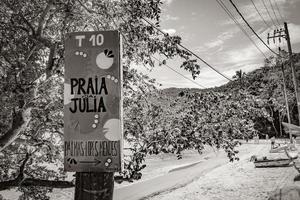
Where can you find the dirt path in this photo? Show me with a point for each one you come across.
(235, 181)
(212, 178)
(181, 178)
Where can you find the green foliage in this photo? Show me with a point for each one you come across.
(32, 193)
(31, 76)
(156, 124)
(266, 83)
(253, 103)
(32, 68)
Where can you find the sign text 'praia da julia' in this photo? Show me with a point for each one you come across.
(92, 102)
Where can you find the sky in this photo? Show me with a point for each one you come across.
(208, 31)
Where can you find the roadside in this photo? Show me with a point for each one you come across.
(177, 179)
(207, 176)
(161, 164)
(235, 181)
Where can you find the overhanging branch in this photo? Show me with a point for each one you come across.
(20, 122)
(50, 63)
(23, 181)
(27, 182)
(42, 18)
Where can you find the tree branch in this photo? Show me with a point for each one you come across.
(20, 122)
(50, 63)
(47, 183)
(7, 59)
(29, 54)
(42, 18)
(22, 167)
(27, 182)
(41, 40)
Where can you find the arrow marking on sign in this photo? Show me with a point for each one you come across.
(96, 161)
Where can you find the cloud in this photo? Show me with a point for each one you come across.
(221, 38)
(250, 53)
(245, 67)
(241, 55)
(253, 17)
(238, 56)
(294, 30)
(168, 17)
(170, 31)
(216, 45)
(167, 2)
(186, 36)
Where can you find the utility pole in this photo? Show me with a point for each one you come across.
(278, 34)
(285, 96)
(293, 68)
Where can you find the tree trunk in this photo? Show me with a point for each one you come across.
(94, 186)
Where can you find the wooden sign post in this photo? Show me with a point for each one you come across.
(92, 111)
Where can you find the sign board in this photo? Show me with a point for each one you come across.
(93, 102)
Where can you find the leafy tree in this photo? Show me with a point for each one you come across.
(32, 68)
(266, 83)
(239, 75)
(159, 124)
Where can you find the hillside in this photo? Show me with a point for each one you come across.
(254, 82)
(265, 83)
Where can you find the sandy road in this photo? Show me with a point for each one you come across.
(182, 177)
(212, 178)
(236, 181)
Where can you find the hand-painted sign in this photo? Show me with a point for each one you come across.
(92, 102)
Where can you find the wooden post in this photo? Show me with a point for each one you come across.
(94, 186)
(293, 68)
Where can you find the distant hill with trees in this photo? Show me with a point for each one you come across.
(264, 83)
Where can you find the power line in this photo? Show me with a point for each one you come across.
(274, 12)
(179, 73)
(210, 66)
(278, 10)
(239, 25)
(268, 12)
(260, 14)
(159, 60)
(185, 48)
(252, 28)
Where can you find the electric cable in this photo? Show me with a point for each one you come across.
(159, 60)
(185, 48)
(274, 12)
(260, 14)
(179, 73)
(223, 6)
(268, 13)
(278, 10)
(233, 4)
